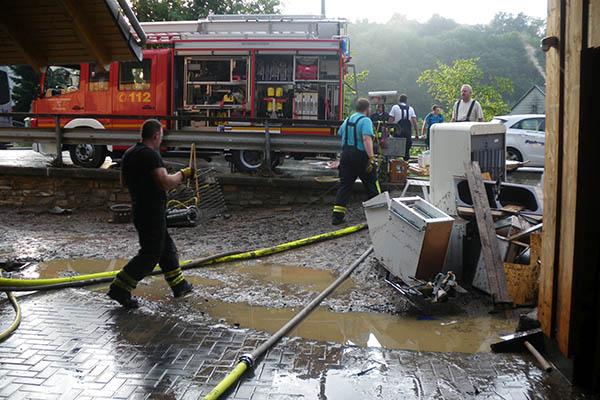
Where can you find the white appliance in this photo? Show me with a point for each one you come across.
(410, 236)
(456, 142)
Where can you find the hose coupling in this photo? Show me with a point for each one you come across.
(247, 359)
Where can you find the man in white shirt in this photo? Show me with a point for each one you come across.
(404, 115)
(467, 109)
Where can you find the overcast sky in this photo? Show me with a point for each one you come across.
(462, 11)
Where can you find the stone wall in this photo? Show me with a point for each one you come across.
(66, 188)
(44, 188)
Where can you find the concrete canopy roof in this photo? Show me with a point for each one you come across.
(54, 32)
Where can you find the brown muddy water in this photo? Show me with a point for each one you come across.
(441, 334)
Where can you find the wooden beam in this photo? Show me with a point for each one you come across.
(90, 40)
(552, 170)
(17, 30)
(487, 234)
(594, 24)
(570, 154)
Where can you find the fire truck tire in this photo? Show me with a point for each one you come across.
(88, 155)
(251, 160)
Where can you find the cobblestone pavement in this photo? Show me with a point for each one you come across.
(74, 344)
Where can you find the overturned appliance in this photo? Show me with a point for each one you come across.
(410, 238)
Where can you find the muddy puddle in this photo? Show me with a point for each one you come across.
(65, 267)
(459, 334)
(441, 334)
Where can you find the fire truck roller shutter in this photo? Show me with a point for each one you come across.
(85, 154)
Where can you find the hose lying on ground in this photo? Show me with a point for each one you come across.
(26, 285)
(248, 360)
(16, 321)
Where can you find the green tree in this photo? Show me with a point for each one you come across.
(185, 10)
(351, 91)
(24, 91)
(528, 26)
(445, 81)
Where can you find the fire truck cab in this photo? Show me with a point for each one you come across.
(234, 66)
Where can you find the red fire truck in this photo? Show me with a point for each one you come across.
(240, 66)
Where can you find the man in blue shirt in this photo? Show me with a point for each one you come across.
(357, 159)
(434, 117)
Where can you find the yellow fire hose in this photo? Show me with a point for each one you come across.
(26, 284)
(17, 319)
(9, 284)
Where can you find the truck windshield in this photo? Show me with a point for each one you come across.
(61, 80)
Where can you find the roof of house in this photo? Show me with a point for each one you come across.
(541, 89)
(52, 32)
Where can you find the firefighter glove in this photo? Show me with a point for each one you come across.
(188, 173)
(370, 164)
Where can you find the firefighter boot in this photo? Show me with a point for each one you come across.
(182, 288)
(337, 218)
(122, 296)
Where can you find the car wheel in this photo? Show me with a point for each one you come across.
(88, 155)
(513, 154)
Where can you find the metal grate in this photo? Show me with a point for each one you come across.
(492, 161)
(210, 202)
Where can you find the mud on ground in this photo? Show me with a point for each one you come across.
(36, 236)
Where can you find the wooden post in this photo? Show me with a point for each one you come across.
(552, 171)
(58, 131)
(487, 234)
(570, 160)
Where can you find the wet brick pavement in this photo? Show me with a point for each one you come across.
(74, 344)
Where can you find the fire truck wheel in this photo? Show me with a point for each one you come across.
(88, 155)
(250, 160)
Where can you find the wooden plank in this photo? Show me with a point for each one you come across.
(487, 234)
(568, 193)
(594, 24)
(526, 232)
(552, 168)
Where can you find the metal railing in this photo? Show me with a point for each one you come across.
(261, 138)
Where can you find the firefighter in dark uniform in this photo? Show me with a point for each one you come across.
(357, 159)
(144, 174)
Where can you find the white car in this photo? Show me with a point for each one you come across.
(525, 137)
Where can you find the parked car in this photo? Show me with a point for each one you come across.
(525, 137)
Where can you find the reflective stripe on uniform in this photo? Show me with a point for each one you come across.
(176, 280)
(340, 209)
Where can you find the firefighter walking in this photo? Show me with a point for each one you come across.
(357, 159)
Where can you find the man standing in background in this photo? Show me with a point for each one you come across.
(467, 109)
(404, 115)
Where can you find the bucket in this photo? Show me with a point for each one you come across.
(121, 213)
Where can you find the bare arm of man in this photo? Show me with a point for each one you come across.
(423, 128)
(368, 142)
(165, 181)
(414, 122)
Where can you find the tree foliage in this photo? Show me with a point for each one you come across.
(186, 10)
(396, 54)
(445, 81)
(351, 91)
(23, 92)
